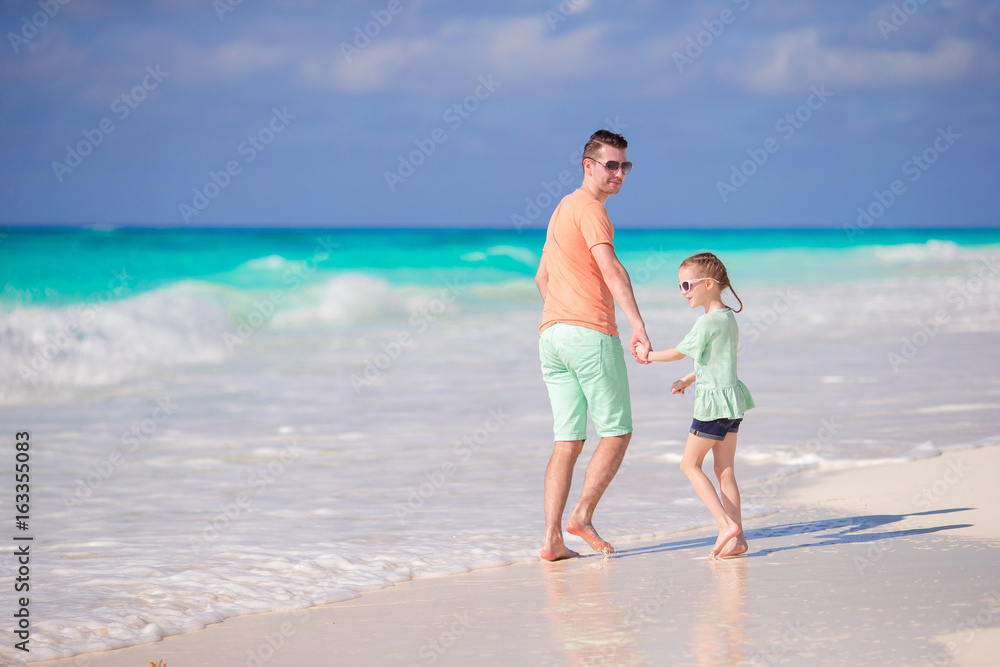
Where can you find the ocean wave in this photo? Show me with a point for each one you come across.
(342, 300)
(48, 350)
(269, 263)
(796, 459)
(516, 253)
(932, 251)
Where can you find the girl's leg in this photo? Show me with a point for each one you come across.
(694, 455)
(724, 454)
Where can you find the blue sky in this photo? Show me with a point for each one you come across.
(386, 113)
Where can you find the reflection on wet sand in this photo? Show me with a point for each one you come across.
(594, 625)
(718, 632)
(587, 620)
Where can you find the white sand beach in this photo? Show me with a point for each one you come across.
(887, 565)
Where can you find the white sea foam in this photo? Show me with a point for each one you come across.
(46, 351)
(269, 263)
(341, 300)
(516, 253)
(931, 251)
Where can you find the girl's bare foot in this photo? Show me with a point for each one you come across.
(735, 547)
(587, 532)
(724, 536)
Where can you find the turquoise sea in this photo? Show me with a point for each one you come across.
(233, 421)
(57, 266)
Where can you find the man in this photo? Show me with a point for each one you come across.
(580, 279)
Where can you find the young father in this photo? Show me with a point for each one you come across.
(583, 362)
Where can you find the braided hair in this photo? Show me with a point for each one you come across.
(707, 265)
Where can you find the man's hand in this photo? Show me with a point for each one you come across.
(640, 347)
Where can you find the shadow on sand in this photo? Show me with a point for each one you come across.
(824, 532)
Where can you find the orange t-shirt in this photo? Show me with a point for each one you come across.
(577, 293)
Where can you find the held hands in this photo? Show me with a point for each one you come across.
(640, 351)
(639, 345)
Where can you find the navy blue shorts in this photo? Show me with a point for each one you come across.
(717, 429)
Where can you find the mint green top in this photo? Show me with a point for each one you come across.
(712, 343)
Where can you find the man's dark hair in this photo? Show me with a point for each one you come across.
(603, 138)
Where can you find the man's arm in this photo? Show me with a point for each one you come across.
(542, 277)
(617, 280)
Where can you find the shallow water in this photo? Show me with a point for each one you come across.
(237, 422)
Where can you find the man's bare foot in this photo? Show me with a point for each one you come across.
(724, 536)
(557, 554)
(735, 547)
(590, 535)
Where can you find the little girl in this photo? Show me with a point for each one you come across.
(720, 398)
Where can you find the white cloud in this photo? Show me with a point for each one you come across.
(521, 49)
(796, 60)
(247, 57)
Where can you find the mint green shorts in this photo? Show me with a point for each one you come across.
(585, 368)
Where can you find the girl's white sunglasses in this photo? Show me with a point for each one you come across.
(688, 284)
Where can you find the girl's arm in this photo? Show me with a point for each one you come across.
(662, 355)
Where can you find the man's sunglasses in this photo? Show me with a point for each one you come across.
(612, 165)
(687, 285)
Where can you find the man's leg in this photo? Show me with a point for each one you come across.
(607, 394)
(558, 478)
(601, 470)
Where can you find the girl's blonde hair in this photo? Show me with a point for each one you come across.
(707, 265)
